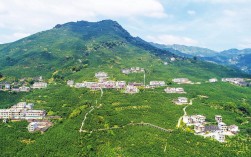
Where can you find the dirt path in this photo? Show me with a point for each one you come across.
(185, 113)
(92, 108)
(131, 124)
(83, 122)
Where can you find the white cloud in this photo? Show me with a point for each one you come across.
(191, 12)
(171, 39)
(20, 35)
(38, 15)
(246, 43)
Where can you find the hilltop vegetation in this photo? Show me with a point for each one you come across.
(78, 50)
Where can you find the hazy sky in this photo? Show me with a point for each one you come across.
(215, 24)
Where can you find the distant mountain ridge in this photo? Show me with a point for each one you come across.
(189, 50)
(240, 59)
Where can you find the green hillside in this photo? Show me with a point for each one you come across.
(77, 51)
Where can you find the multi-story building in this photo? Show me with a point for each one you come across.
(39, 85)
(22, 110)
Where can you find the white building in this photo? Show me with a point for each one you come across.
(39, 126)
(181, 101)
(194, 119)
(212, 80)
(157, 83)
(101, 74)
(70, 83)
(24, 89)
(218, 118)
(120, 84)
(110, 84)
(219, 137)
(172, 59)
(181, 80)
(174, 90)
(7, 86)
(233, 128)
(39, 85)
(222, 126)
(32, 126)
(126, 71)
(131, 89)
(22, 110)
(199, 128)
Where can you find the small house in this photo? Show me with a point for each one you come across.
(101, 74)
(109, 84)
(219, 137)
(181, 101)
(222, 126)
(80, 85)
(39, 126)
(174, 90)
(213, 80)
(199, 128)
(157, 83)
(126, 71)
(131, 89)
(233, 128)
(24, 89)
(70, 82)
(7, 86)
(181, 80)
(39, 85)
(218, 118)
(120, 84)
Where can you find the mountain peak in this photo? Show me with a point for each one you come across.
(83, 23)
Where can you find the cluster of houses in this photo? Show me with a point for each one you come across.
(217, 132)
(14, 87)
(25, 111)
(133, 70)
(104, 83)
(23, 85)
(236, 81)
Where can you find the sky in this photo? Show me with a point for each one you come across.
(213, 24)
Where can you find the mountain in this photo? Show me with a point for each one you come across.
(188, 50)
(234, 58)
(171, 49)
(70, 44)
(115, 123)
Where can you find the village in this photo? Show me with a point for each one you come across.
(23, 85)
(37, 121)
(203, 128)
